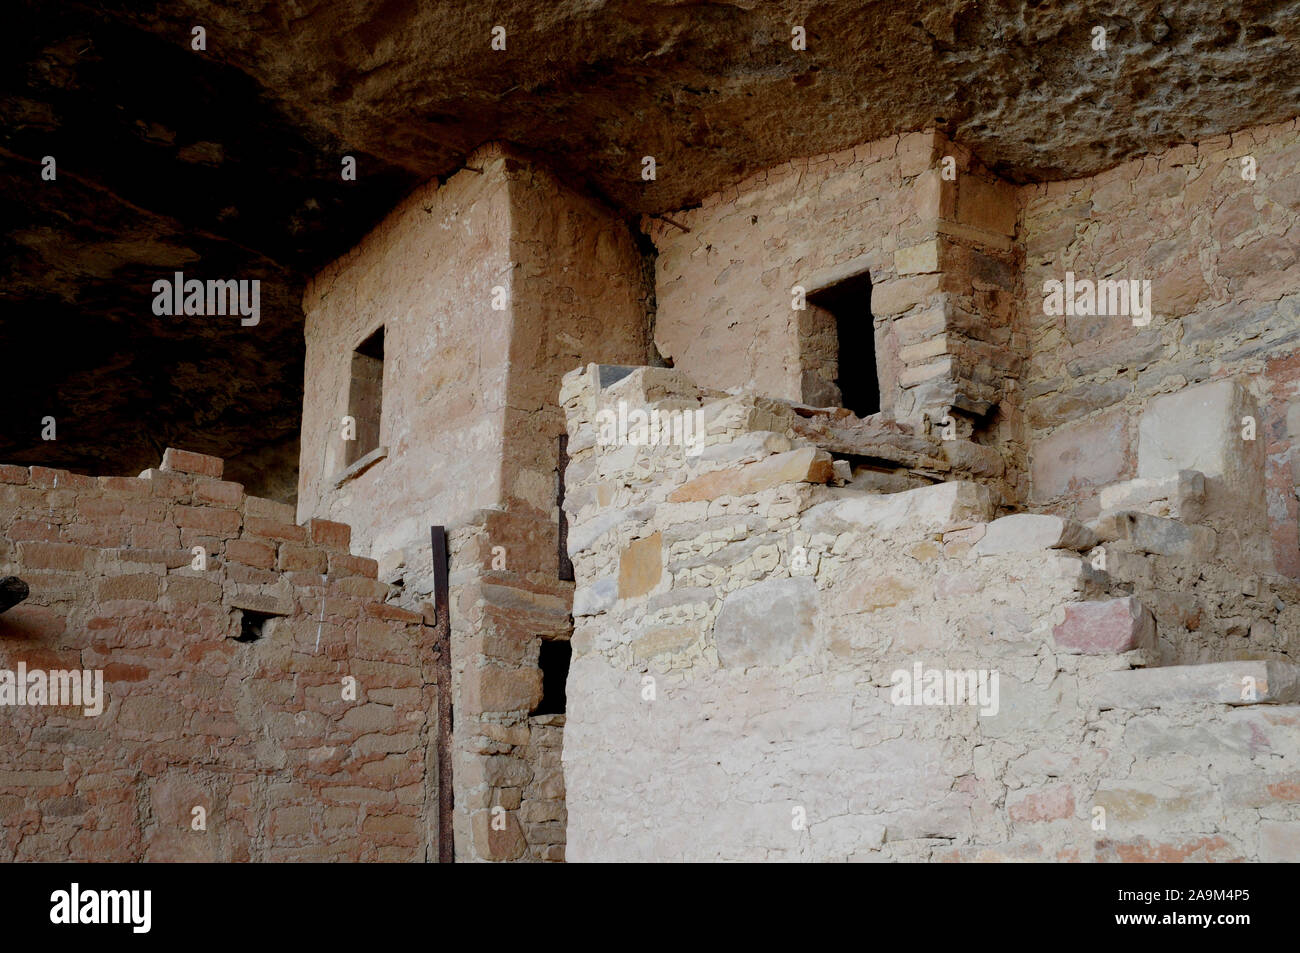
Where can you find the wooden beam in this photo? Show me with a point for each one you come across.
(442, 639)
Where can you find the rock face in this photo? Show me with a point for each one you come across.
(714, 89)
(166, 160)
(226, 161)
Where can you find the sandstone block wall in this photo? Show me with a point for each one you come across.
(936, 239)
(425, 274)
(958, 268)
(1222, 252)
(739, 620)
(258, 734)
(471, 425)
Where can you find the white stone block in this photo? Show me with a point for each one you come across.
(913, 512)
(1032, 532)
(1225, 683)
(1181, 496)
(1197, 428)
(767, 623)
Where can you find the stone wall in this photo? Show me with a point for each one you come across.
(471, 424)
(1222, 253)
(263, 735)
(426, 274)
(932, 229)
(740, 618)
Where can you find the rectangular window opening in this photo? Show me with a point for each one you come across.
(366, 396)
(553, 660)
(856, 376)
(253, 625)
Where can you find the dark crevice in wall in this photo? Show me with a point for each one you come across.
(649, 255)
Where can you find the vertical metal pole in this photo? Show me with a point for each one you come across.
(446, 792)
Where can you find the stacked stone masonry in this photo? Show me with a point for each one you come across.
(489, 287)
(740, 615)
(265, 736)
(1100, 512)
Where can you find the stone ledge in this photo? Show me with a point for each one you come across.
(1179, 497)
(909, 513)
(1157, 535)
(1033, 532)
(1221, 683)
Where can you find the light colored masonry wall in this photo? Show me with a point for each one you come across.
(1222, 253)
(471, 423)
(943, 266)
(740, 617)
(425, 274)
(261, 735)
(577, 295)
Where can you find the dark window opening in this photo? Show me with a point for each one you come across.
(849, 302)
(252, 625)
(366, 396)
(554, 663)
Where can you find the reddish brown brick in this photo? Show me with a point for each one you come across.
(251, 552)
(197, 537)
(254, 575)
(55, 556)
(171, 558)
(343, 565)
(1141, 850)
(220, 492)
(143, 586)
(170, 486)
(24, 530)
(119, 672)
(301, 559)
(364, 588)
(269, 510)
(272, 529)
(63, 479)
(186, 461)
(95, 509)
(155, 536)
(144, 511)
(105, 534)
(383, 610)
(12, 474)
(206, 518)
(193, 589)
(331, 535)
(28, 621)
(124, 486)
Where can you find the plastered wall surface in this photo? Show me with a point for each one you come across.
(740, 622)
(472, 427)
(426, 275)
